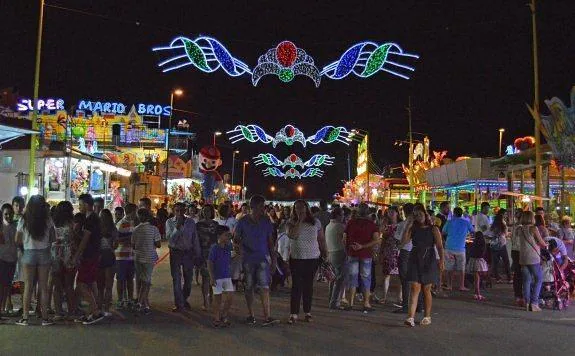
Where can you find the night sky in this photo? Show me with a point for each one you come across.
(474, 75)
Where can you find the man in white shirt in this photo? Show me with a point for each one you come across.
(482, 222)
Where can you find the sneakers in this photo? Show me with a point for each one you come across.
(93, 319)
(535, 308)
(22, 322)
(250, 320)
(81, 319)
(47, 322)
(270, 322)
(107, 314)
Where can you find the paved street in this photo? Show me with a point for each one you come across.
(460, 325)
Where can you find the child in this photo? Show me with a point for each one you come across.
(219, 268)
(477, 264)
(145, 239)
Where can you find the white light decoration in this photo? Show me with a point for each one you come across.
(289, 135)
(286, 61)
(24, 191)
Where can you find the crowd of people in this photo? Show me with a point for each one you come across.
(61, 258)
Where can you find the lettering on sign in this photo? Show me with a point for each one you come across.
(42, 104)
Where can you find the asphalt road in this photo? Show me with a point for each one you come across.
(460, 326)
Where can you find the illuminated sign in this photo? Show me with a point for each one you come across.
(362, 156)
(105, 107)
(42, 104)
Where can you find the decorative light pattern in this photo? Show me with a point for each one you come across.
(293, 173)
(367, 58)
(205, 53)
(289, 135)
(286, 60)
(293, 160)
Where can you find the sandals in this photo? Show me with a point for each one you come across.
(479, 297)
(425, 321)
(308, 318)
(292, 319)
(409, 322)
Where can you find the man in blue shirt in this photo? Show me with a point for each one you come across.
(184, 250)
(456, 231)
(254, 234)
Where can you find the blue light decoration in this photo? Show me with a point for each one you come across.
(367, 58)
(292, 173)
(287, 61)
(293, 160)
(205, 53)
(289, 135)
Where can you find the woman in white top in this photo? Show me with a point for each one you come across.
(307, 244)
(35, 234)
(530, 243)
(565, 233)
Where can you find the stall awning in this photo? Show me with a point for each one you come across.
(9, 133)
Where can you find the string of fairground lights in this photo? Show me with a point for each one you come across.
(293, 160)
(289, 135)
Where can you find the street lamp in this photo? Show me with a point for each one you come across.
(217, 133)
(176, 92)
(244, 179)
(272, 189)
(234, 163)
(501, 131)
(300, 190)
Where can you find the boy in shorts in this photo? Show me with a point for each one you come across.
(219, 268)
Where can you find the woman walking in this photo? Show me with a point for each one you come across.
(422, 270)
(307, 244)
(107, 261)
(530, 243)
(498, 246)
(389, 250)
(35, 233)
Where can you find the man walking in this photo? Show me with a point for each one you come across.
(456, 230)
(361, 236)
(184, 250)
(254, 234)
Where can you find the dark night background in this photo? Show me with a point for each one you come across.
(474, 74)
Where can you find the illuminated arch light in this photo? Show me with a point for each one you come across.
(292, 173)
(289, 135)
(205, 53)
(286, 61)
(366, 59)
(293, 160)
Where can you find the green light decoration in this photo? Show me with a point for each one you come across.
(376, 60)
(196, 54)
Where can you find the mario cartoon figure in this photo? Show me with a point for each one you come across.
(210, 160)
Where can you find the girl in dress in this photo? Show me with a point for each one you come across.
(476, 263)
(389, 248)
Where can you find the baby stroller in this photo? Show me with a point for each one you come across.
(558, 285)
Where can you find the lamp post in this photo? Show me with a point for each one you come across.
(176, 92)
(217, 133)
(244, 179)
(234, 163)
(501, 131)
(538, 166)
(300, 190)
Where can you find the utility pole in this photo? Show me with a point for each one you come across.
(32, 163)
(538, 166)
(411, 188)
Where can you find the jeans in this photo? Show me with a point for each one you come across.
(532, 281)
(517, 275)
(504, 256)
(181, 265)
(302, 274)
(359, 266)
(337, 260)
(403, 262)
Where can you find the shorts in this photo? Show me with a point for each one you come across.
(88, 270)
(41, 257)
(257, 275)
(144, 271)
(107, 258)
(359, 266)
(7, 270)
(223, 285)
(454, 261)
(125, 270)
